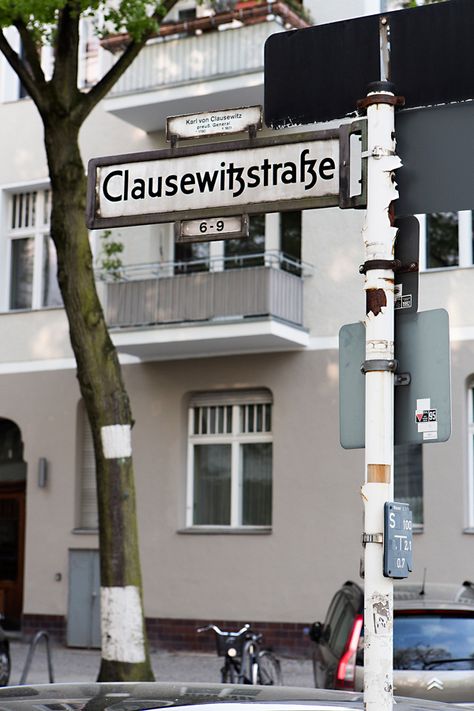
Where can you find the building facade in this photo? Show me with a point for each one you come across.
(248, 507)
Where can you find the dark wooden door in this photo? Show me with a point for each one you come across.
(12, 545)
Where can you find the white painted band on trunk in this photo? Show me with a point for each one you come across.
(122, 624)
(116, 441)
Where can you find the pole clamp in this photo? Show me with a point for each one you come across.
(377, 364)
(380, 98)
(372, 538)
(392, 264)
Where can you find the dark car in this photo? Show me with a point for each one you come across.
(136, 696)
(4, 658)
(433, 641)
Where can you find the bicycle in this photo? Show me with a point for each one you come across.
(245, 662)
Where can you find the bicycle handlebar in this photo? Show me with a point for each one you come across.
(222, 633)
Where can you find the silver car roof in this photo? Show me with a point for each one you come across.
(442, 595)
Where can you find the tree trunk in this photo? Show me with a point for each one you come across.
(125, 653)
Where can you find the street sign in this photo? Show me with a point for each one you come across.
(214, 123)
(290, 172)
(423, 404)
(214, 228)
(422, 350)
(397, 540)
(436, 146)
(407, 250)
(319, 73)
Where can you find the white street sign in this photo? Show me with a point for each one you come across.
(291, 172)
(214, 123)
(212, 228)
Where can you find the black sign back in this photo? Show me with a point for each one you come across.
(319, 73)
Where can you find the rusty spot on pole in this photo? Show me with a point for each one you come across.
(378, 473)
(375, 299)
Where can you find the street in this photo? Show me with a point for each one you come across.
(83, 665)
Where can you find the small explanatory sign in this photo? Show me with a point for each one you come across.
(398, 540)
(214, 123)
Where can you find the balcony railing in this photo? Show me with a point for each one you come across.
(154, 294)
(173, 61)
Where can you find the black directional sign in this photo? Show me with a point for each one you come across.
(436, 146)
(318, 73)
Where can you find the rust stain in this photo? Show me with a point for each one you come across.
(378, 473)
(375, 299)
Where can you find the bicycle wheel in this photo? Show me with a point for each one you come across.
(229, 673)
(248, 666)
(269, 669)
(4, 667)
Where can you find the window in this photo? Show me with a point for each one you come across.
(33, 265)
(191, 257)
(339, 621)
(240, 252)
(408, 478)
(439, 641)
(88, 510)
(446, 240)
(187, 14)
(290, 241)
(442, 240)
(230, 460)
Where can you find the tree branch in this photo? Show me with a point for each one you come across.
(100, 90)
(91, 99)
(36, 91)
(31, 52)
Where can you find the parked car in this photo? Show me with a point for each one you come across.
(198, 697)
(433, 641)
(4, 658)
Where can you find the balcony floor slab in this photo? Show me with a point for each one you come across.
(265, 335)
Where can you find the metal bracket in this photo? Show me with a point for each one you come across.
(372, 538)
(392, 264)
(252, 131)
(376, 365)
(408, 267)
(346, 200)
(402, 379)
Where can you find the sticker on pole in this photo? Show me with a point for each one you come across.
(426, 418)
(397, 540)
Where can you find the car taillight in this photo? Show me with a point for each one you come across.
(345, 675)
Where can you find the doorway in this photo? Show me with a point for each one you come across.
(12, 523)
(83, 619)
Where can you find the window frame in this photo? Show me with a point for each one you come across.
(235, 439)
(38, 231)
(470, 457)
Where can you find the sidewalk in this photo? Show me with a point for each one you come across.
(83, 665)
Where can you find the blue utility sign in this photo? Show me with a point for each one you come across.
(397, 540)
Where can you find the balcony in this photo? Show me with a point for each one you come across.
(216, 63)
(155, 313)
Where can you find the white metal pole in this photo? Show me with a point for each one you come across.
(379, 366)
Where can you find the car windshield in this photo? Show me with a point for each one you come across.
(433, 641)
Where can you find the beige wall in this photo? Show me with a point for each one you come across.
(43, 406)
(317, 513)
(34, 336)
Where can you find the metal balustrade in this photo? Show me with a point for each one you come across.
(153, 294)
(180, 60)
